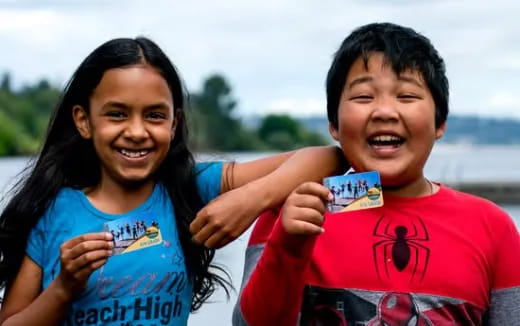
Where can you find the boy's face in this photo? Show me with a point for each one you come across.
(386, 122)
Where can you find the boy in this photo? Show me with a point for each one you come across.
(429, 256)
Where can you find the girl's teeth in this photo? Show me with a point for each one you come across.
(133, 153)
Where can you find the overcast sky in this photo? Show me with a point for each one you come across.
(274, 53)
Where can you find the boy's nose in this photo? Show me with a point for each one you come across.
(384, 111)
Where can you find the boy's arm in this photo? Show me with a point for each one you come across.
(255, 247)
(259, 185)
(505, 294)
(273, 293)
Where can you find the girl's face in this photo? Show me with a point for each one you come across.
(131, 123)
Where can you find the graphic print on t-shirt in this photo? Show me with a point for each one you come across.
(341, 307)
(401, 246)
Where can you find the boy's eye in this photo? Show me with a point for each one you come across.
(408, 97)
(362, 98)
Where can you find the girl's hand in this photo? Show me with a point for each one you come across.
(226, 217)
(80, 256)
(304, 208)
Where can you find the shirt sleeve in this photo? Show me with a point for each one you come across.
(255, 247)
(505, 293)
(36, 242)
(274, 292)
(209, 175)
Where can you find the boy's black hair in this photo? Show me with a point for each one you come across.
(403, 48)
(68, 160)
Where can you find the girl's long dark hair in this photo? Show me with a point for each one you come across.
(68, 160)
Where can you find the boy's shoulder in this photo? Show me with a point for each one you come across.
(462, 202)
(470, 200)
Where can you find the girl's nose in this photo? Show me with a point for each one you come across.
(136, 130)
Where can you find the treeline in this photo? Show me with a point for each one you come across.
(211, 114)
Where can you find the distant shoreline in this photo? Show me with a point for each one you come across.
(498, 192)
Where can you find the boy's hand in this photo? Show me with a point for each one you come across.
(304, 208)
(80, 256)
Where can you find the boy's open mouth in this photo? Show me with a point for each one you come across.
(381, 141)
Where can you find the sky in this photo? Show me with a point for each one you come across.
(275, 54)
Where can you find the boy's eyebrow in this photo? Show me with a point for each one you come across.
(410, 80)
(359, 80)
(365, 79)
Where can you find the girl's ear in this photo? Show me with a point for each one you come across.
(81, 121)
(174, 125)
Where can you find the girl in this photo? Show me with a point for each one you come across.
(116, 159)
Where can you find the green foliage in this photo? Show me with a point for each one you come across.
(24, 116)
(211, 121)
(282, 132)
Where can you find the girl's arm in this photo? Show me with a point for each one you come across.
(24, 296)
(255, 186)
(25, 303)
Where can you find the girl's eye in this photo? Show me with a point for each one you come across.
(116, 114)
(156, 116)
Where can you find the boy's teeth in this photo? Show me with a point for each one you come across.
(385, 138)
(129, 153)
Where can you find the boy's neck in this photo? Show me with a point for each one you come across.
(419, 188)
(114, 198)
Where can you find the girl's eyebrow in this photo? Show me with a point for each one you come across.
(115, 105)
(124, 106)
(157, 106)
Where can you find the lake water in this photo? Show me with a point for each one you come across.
(448, 164)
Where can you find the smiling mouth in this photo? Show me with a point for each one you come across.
(132, 153)
(386, 141)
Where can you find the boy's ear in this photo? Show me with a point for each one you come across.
(81, 121)
(440, 131)
(333, 132)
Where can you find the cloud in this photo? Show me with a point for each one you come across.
(297, 107)
(504, 100)
(274, 53)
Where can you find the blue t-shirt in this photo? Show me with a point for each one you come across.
(145, 282)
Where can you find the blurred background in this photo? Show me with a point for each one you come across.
(255, 72)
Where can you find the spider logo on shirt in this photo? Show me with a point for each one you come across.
(401, 246)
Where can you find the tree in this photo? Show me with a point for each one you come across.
(212, 122)
(282, 132)
(5, 85)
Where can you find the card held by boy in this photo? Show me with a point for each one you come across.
(354, 191)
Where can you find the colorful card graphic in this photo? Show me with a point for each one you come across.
(134, 233)
(354, 191)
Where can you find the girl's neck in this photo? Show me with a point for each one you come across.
(419, 188)
(115, 198)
